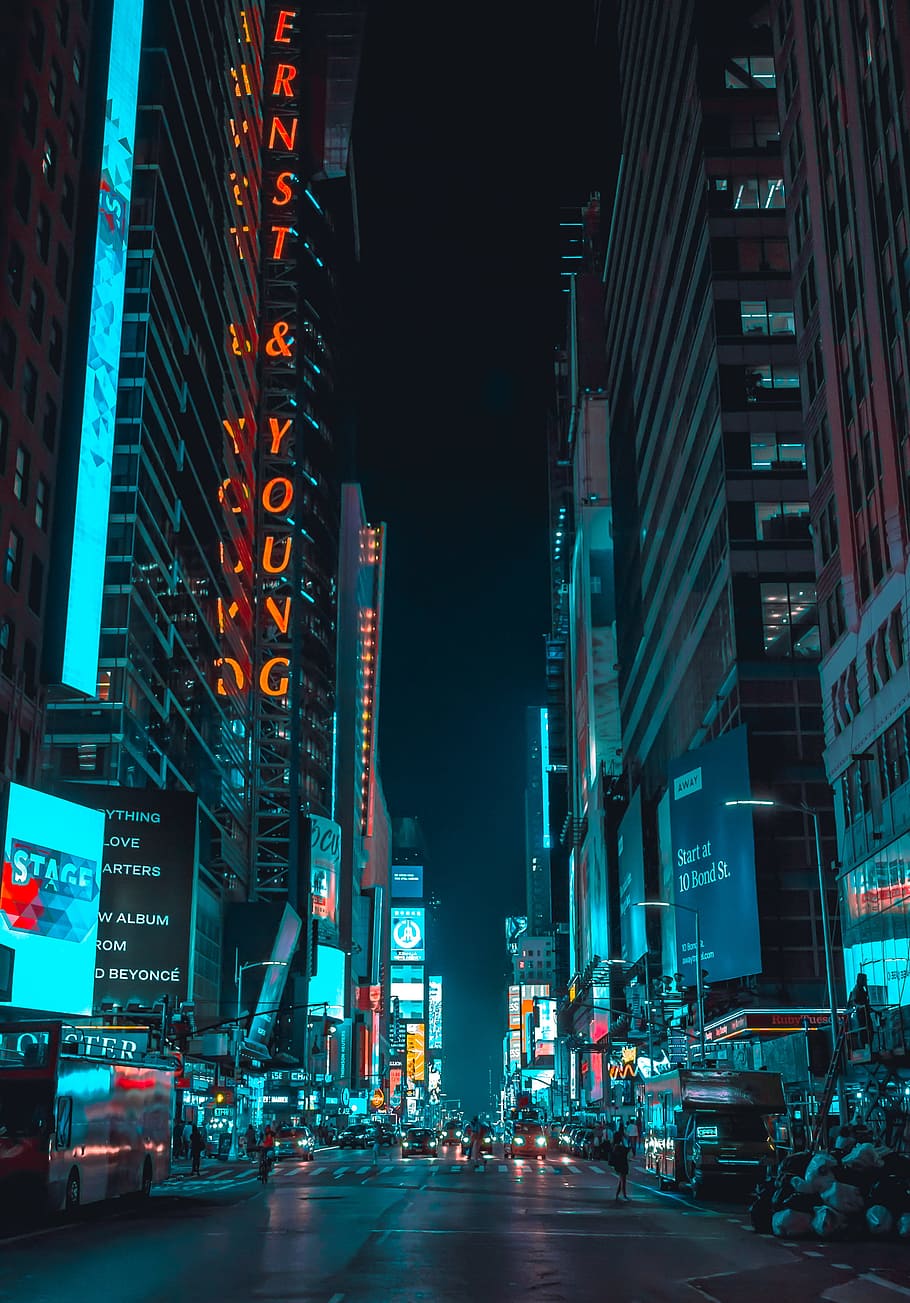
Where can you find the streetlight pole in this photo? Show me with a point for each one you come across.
(239, 970)
(699, 988)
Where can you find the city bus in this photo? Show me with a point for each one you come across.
(77, 1127)
(703, 1126)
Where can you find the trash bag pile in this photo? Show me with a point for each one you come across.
(856, 1191)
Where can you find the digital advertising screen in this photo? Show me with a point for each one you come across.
(514, 1008)
(325, 866)
(630, 846)
(327, 983)
(544, 1028)
(408, 934)
(407, 881)
(148, 894)
(50, 890)
(435, 1011)
(416, 1052)
(713, 860)
(516, 927)
(275, 978)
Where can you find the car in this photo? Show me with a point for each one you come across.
(583, 1143)
(295, 1142)
(567, 1137)
(357, 1136)
(525, 1140)
(450, 1134)
(419, 1140)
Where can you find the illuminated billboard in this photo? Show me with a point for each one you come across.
(273, 983)
(630, 846)
(408, 935)
(327, 983)
(50, 887)
(544, 1028)
(435, 1011)
(148, 890)
(713, 860)
(325, 864)
(516, 926)
(82, 628)
(416, 1055)
(514, 1008)
(407, 881)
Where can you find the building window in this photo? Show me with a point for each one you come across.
(42, 503)
(63, 21)
(62, 273)
(767, 317)
(68, 200)
(73, 128)
(4, 440)
(782, 522)
(21, 474)
(55, 345)
(763, 378)
(774, 451)
(78, 64)
(7, 353)
(15, 265)
(49, 422)
(29, 390)
(790, 620)
(29, 117)
(43, 233)
(22, 191)
(12, 564)
(36, 39)
(764, 255)
(20, 763)
(49, 161)
(55, 87)
(36, 310)
(7, 645)
(36, 585)
(750, 72)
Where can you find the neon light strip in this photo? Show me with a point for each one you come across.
(93, 484)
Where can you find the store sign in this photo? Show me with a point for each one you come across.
(408, 935)
(325, 866)
(713, 860)
(377, 1099)
(50, 889)
(148, 886)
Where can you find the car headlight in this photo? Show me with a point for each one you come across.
(541, 1141)
(519, 1140)
(404, 1144)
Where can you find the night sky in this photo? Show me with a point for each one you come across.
(474, 124)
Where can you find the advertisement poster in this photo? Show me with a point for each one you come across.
(516, 927)
(713, 860)
(273, 983)
(325, 863)
(435, 1002)
(407, 881)
(416, 1056)
(407, 935)
(50, 888)
(631, 850)
(146, 917)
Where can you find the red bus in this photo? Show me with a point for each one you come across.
(76, 1127)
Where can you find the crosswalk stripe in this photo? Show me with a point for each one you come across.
(503, 1167)
(457, 1168)
(341, 1171)
(573, 1168)
(594, 1168)
(390, 1168)
(360, 1171)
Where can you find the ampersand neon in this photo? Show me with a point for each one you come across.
(276, 346)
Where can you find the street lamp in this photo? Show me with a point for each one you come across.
(239, 970)
(829, 961)
(699, 988)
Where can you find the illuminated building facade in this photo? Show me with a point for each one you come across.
(842, 70)
(714, 568)
(54, 140)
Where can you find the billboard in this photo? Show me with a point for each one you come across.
(713, 860)
(325, 865)
(515, 1049)
(408, 935)
(435, 1011)
(273, 983)
(416, 1051)
(544, 1028)
(50, 888)
(407, 881)
(148, 887)
(514, 1008)
(516, 926)
(327, 983)
(630, 846)
(82, 629)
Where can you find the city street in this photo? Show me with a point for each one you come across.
(339, 1230)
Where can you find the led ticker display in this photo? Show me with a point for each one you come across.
(408, 935)
(50, 887)
(82, 630)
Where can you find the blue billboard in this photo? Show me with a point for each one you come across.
(407, 881)
(93, 479)
(713, 860)
(631, 854)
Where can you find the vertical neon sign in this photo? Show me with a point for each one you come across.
(93, 484)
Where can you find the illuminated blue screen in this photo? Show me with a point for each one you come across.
(93, 484)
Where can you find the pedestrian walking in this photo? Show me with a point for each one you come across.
(476, 1144)
(178, 1139)
(619, 1161)
(375, 1148)
(251, 1141)
(197, 1149)
(632, 1135)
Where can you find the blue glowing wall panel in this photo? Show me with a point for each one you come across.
(93, 485)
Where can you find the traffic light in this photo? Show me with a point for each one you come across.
(223, 1096)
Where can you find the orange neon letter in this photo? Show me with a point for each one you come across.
(239, 676)
(282, 188)
(279, 129)
(282, 618)
(228, 488)
(280, 234)
(278, 434)
(284, 20)
(285, 73)
(234, 435)
(268, 552)
(286, 489)
(264, 682)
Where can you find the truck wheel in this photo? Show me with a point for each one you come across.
(71, 1202)
(146, 1188)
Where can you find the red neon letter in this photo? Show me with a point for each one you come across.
(282, 618)
(282, 188)
(268, 553)
(278, 128)
(285, 73)
(286, 489)
(278, 434)
(285, 18)
(282, 685)
(280, 233)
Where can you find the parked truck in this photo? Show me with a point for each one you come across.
(76, 1126)
(703, 1126)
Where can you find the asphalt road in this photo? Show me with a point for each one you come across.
(339, 1230)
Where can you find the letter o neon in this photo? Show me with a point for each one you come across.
(287, 494)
